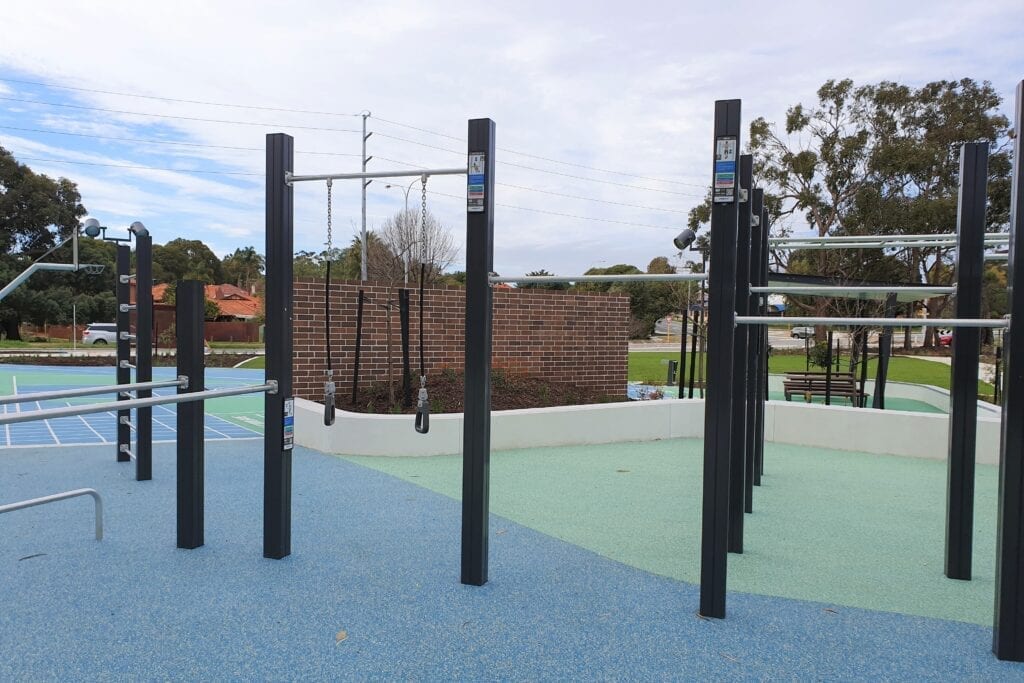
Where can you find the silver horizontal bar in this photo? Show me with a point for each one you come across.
(924, 237)
(182, 381)
(872, 322)
(997, 257)
(625, 277)
(125, 308)
(71, 411)
(125, 279)
(370, 175)
(11, 507)
(825, 290)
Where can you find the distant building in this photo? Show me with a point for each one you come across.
(235, 303)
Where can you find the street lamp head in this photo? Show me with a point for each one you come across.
(684, 239)
(92, 227)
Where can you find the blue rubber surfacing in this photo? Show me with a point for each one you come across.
(378, 558)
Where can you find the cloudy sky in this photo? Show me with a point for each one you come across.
(603, 109)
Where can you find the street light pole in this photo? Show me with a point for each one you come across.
(408, 247)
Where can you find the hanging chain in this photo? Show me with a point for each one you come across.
(330, 237)
(423, 220)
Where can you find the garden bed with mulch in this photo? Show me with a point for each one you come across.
(445, 389)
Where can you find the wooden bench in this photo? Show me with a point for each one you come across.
(809, 384)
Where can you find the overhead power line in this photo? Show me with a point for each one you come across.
(539, 157)
(168, 142)
(180, 118)
(140, 168)
(176, 99)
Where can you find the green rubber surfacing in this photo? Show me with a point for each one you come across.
(839, 527)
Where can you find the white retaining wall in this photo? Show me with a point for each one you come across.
(919, 435)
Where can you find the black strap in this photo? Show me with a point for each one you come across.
(329, 403)
(422, 403)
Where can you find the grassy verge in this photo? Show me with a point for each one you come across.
(646, 366)
(235, 345)
(258, 362)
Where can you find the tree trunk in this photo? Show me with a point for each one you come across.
(11, 329)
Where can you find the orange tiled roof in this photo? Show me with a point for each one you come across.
(233, 301)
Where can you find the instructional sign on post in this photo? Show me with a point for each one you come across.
(725, 170)
(288, 432)
(475, 182)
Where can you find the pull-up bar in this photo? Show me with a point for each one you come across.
(872, 322)
(91, 391)
(625, 277)
(992, 237)
(826, 290)
(290, 178)
(71, 411)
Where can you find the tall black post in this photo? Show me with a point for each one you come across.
(476, 435)
(763, 375)
(143, 349)
(279, 407)
(124, 349)
(751, 396)
(718, 404)
(1008, 620)
(863, 367)
(741, 338)
(403, 316)
(884, 351)
(963, 390)
(188, 322)
(684, 329)
(360, 298)
(698, 323)
(828, 369)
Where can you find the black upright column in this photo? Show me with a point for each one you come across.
(124, 350)
(738, 446)
(476, 435)
(884, 351)
(763, 375)
(963, 393)
(191, 463)
(279, 407)
(718, 401)
(1008, 620)
(143, 349)
(752, 396)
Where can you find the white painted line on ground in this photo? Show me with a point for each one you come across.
(86, 423)
(216, 431)
(165, 425)
(39, 406)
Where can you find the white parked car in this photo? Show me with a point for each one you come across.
(801, 332)
(100, 333)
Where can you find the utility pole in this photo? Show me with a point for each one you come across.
(362, 232)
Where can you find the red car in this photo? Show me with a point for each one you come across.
(945, 338)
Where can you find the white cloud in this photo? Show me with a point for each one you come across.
(627, 87)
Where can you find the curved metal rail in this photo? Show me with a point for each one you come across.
(21, 505)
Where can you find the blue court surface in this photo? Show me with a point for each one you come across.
(372, 592)
(229, 418)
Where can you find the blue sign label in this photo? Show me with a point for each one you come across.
(725, 167)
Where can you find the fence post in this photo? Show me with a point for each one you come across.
(190, 450)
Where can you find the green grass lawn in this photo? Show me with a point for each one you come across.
(235, 345)
(9, 344)
(255, 363)
(652, 367)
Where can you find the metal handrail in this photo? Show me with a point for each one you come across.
(11, 507)
(182, 381)
(825, 290)
(71, 411)
(994, 323)
(624, 277)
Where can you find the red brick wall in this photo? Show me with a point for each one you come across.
(578, 338)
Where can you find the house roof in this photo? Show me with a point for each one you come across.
(233, 301)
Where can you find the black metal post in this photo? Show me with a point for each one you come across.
(144, 353)
(403, 316)
(476, 435)
(188, 323)
(861, 402)
(279, 407)
(884, 351)
(1008, 618)
(997, 376)
(751, 396)
(741, 338)
(124, 349)
(683, 331)
(698, 323)
(762, 391)
(963, 390)
(361, 297)
(828, 370)
(718, 406)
